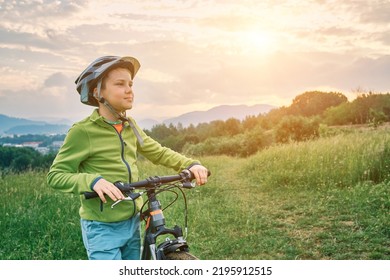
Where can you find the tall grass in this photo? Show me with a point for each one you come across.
(342, 160)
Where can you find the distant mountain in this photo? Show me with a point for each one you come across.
(39, 129)
(53, 120)
(9, 122)
(222, 112)
(11, 125)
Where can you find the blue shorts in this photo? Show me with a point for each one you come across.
(112, 241)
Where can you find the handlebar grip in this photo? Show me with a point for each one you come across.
(89, 195)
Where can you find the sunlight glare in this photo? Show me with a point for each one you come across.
(256, 41)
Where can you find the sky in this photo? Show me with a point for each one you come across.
(194, 55)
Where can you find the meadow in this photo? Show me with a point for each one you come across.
(322, 199)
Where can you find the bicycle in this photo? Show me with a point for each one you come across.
(170, 249)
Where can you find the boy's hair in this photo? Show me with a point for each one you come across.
(104, 77)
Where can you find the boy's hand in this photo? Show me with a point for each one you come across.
(200, 174)
(103, 187)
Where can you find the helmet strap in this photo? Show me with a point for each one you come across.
(121, 116)
(126, 121)
(99, 87)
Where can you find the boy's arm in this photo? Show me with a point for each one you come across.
(63, 174)
(158, 154)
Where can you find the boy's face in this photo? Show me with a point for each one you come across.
(117, 89)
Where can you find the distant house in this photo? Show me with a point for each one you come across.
(12, 145)
(57, 144)
(33, 145)
(43, 150)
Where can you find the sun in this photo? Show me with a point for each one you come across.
(256, 41)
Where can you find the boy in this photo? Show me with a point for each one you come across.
(102, 149)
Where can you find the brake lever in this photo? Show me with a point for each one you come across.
(130, 197)
(120, 200)
(188, 185)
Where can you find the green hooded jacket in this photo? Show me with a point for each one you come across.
(93, 149)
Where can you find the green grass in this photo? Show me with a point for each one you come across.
(36, 222)
(323, 199)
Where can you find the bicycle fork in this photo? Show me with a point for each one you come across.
(155, 226)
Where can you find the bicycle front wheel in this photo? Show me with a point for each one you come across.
(180, 255)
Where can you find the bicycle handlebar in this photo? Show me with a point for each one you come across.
(185, 176)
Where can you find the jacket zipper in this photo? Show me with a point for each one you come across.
(123, 143)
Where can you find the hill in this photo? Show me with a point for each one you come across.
(7, 122)
(12, 125)
(38, 129)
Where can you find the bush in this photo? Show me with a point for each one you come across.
(242, 145)
(296, 128)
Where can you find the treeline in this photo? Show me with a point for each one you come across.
(308, 115)
(21, 159)
(45, 140)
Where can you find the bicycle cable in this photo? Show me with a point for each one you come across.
(169, 188)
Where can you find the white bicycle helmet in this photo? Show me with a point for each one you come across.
(91, 77)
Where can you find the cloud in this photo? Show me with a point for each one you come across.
(375, 12)
(43, 101)
(369, 73)
(58, 80)
(85, 34)
(384, 38)
(50, 40)
(33, 9)
(12, 79)
(230, 23)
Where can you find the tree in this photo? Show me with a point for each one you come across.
(21, 163)
(232, 126)
(364, 109)
(250, 122)
(313, 103)
(19, 159)
(161, 131)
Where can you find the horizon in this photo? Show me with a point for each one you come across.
(194, 55)
(54, 120)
